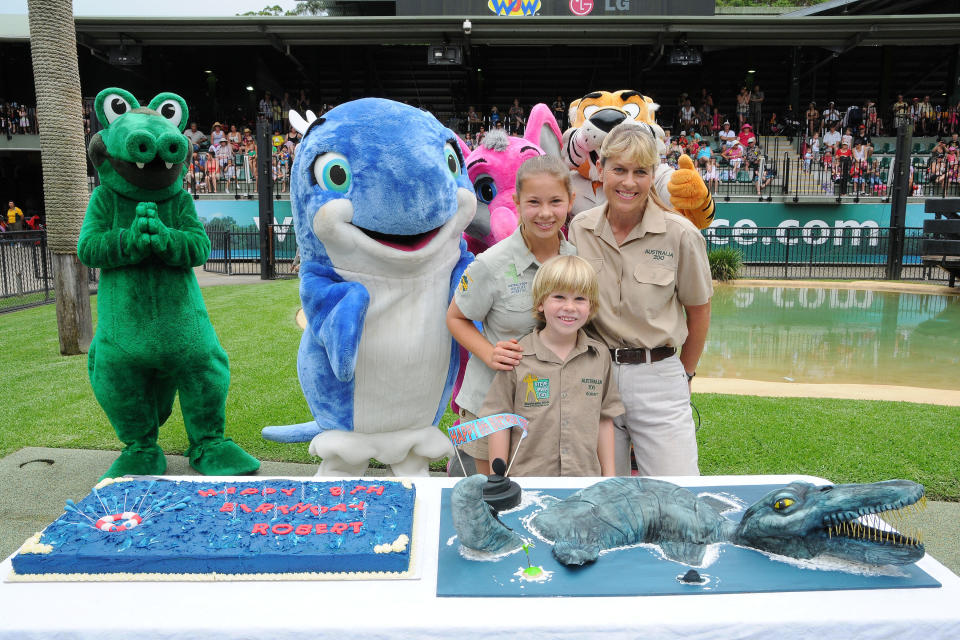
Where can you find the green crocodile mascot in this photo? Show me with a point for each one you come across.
(153, 337)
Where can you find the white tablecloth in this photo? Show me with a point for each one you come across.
(410, 608)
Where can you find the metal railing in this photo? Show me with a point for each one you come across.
(238, 252)
(235, 176)
(817, 252)
(26, 274)
(842, 179)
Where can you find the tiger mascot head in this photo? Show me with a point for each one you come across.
(594, 115)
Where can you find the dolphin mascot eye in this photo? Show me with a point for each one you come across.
(332, 172)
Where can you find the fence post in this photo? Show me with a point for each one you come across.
(786, 255)
(265, 195)
(898, 206)
(43, 262)
(227, 267)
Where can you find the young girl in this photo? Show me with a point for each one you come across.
(497, 288)
(564, 387)
(712, 176)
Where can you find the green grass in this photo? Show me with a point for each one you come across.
(48, 402)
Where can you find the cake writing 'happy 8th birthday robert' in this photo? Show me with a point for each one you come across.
(159, 529)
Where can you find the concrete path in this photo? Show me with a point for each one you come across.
(44, 478)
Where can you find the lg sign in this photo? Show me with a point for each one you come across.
(581, 7)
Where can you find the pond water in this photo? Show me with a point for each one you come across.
(823, 336)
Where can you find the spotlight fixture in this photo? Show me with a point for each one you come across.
(685, 55)
(467, 26)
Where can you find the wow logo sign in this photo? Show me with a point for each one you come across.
(514, 7)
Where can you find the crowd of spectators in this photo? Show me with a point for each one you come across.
(17, 118)
(723, 139)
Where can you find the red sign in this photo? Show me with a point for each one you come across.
(581, 7)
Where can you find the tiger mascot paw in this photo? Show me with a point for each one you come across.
(689, 194)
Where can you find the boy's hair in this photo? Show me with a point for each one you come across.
(549, 165)
(634, 142)
(565, 273)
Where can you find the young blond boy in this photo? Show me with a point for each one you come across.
(563, 385)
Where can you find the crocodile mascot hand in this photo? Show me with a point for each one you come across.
(591, 118)
(153, 337)
(380, 200)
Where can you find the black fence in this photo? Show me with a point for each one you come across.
(238, 252)
(860, 252)
(26, 274)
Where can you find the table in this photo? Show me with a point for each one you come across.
(410, 608)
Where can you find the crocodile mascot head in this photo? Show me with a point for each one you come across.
(141, 155)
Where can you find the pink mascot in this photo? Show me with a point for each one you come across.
(492, 168)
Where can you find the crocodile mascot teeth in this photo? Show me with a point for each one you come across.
(154, 338)
(380, 200)
(591, 119)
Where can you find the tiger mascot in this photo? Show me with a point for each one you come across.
(591, 118)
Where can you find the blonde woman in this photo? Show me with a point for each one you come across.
(655, 290)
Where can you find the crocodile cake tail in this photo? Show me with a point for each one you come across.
(473, 519)
(303, 432)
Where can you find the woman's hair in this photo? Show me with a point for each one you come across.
(565, 273)
(540, 165)
(634, 142)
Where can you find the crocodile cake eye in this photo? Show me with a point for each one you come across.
(453, 161)
(485, 189)
(332, 171)
(114, 106)
(172, 111)
(782, 503)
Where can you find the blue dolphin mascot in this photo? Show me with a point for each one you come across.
(380, 200)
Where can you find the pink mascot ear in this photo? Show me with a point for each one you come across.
(543, 131)
(464, 149)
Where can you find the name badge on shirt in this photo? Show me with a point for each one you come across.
(658, 255)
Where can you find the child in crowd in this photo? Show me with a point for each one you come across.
(564, 384)
(711, 175)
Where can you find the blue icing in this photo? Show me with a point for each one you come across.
(194, 536)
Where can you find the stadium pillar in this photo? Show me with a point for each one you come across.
(265, 194)
(898, 201)
(954, 77)
(887, 64)
(795, 83)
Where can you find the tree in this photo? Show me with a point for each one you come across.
(53, 46)
(308, 8)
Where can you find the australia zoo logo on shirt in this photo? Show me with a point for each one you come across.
(538, 391)
(659, 254)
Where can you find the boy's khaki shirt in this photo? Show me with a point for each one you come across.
(563, 401)
(645, 282)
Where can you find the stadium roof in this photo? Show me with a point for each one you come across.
(711, 31)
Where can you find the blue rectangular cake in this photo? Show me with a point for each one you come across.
(278, 527)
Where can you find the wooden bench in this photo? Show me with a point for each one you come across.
(941, 242)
